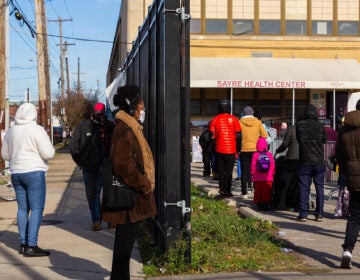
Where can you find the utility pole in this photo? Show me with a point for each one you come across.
(62, 81)
(78, 73)
(66, 44)
(43, 66)
(4, 49)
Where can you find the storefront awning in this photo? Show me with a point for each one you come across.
(264, 72)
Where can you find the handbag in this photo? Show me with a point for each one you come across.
(116, 194)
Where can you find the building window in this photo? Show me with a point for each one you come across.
(296, 16)
(216, 16)
(348, 17)
(322, 17)
(296, 27)
(269, 27)
(348, 27)
(243, 17)
(269, 16)
(322, 27)
(195, 11)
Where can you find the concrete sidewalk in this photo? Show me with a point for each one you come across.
(77, 252)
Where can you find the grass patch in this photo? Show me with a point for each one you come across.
(221, 242)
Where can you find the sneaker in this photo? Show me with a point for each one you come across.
(301, 219)
(319, 218)
(346, 260)
(244, 196)
(96, 226)
(35, 251)
(237, 179)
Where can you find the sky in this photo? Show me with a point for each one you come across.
(91, 19)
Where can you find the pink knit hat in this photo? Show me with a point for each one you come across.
(99, 107)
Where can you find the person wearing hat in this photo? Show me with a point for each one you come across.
(89, 145)
(252, 129)
(27, 147)
(347, 152)
(225, 131)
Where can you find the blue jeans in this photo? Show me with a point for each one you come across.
(30, 189)
(238, 167)
(306, 174)
(93, 185)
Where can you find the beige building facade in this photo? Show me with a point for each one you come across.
(275, 55)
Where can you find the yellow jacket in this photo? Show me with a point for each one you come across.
(251, 130)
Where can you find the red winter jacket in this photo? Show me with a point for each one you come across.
(224, 128)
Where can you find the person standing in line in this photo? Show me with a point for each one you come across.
(89, 146)
(27, 147)
(207, 149)
(339, 119)
(226, 132)
(252, 129)
(311, 136)
(132, 163)
(263, 175)
(331, 133)
(347, 152)
(286, 194)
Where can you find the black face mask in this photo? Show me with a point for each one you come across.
(98, 119)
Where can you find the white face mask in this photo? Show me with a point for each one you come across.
(141, 118)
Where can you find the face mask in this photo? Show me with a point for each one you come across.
(141, 118)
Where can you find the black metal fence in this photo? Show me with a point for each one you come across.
(159, 64)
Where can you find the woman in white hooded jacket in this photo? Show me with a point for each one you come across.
(27, 147)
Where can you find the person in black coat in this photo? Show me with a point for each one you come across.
(89, 146)
(207, 150)
(311, 136)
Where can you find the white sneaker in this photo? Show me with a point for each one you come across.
(346, 260)
(244, 196)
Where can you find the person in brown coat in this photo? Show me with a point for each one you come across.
(133, 163)
(347, 153)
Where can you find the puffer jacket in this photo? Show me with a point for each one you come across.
(224, 128)
(257, 176)
(311, 136)
(127, 165)
(252, 129)
(347, 150)
(291, 144)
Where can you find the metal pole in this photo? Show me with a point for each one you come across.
(293, 107)
(6, 74)
(231, 100)
(334, 113)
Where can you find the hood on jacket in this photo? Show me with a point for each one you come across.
(26, 113)
(352, 119)
(248, 121)
(311, 112)
(261, 145)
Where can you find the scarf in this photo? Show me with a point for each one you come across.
(136, 127)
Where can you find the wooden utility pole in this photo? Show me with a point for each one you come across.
(4, 18)
(62, 80)
(43, 67)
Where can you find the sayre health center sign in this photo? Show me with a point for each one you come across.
(259, 84)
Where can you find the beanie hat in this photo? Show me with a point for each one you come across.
(99, 107)
(358, 105)
(248, 111)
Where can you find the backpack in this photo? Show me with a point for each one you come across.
(263, 162)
